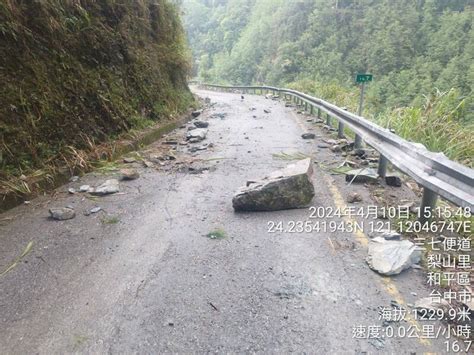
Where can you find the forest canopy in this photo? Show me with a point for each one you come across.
(411, 47)
(420, 52)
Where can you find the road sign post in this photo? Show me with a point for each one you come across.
(361, 79)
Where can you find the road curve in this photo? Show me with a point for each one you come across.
(149, 281)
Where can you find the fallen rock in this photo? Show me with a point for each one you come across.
(196, 113)
(219, 115)
(201, 124)
(354, 197)
(308, 136)
(84, 188)
(108, 187)
(196, 135)
(62, 214)
(323, 145)
(71, 190)
(129, 174)
(172, 142)
(362, 176)
(148, 164)
(283, 189)
(96, 209)
(390, 257)
(393, 180)
(267, 111)
(359, 152)
(72, 179)
(336, 148)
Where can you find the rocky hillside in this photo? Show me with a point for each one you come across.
(77, 72)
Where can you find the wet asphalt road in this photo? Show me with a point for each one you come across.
(152, 282)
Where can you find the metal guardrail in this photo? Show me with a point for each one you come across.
(434, 171)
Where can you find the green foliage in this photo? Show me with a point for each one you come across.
(421, 54)
(79, 71)
(437, 124)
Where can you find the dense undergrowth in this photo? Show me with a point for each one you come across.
(437, 122)
(75, 73)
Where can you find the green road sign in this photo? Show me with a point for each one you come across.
(363, 78)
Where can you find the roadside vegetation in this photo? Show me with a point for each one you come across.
(421, 54)
(77, 74)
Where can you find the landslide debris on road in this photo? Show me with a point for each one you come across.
(391, 257)
(284, 189)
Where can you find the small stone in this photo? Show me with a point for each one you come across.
(336, 148)
(267, 111)
(359, 152)
(354, 197)
(323, 145)
(171, 142)
(72, 179)
(362, 176)
(201, 124)
(196, 113)
(197, 134)
(84, 188)
(71, 190)
(393, 180)
(62, 214)
(95, 209)
(308, 136)
(148, 164)
(108, 187)
(129, 174)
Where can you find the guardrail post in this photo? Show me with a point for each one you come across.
(319, 113)
(328, 119)
(311, 109)
(340, 130)
(382, 169)
(305, 107)
(428, 203)
(357, 141)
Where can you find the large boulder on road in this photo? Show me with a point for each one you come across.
(283, 189)
(197, 134)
